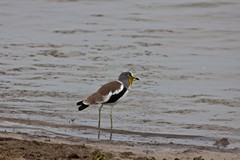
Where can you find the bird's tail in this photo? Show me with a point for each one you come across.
(81, 105)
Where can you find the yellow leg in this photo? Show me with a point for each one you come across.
(111, 122)
(99, 120)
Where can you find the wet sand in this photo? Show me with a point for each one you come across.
(56, 52)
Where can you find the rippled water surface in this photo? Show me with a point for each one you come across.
(186, 53)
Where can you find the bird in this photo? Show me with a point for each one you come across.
(109, 94)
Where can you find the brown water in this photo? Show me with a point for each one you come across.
(56, 52)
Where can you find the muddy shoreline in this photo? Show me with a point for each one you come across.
(23, 146)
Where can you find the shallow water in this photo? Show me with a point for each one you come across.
(56, 52)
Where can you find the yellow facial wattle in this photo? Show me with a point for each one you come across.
(130, 80)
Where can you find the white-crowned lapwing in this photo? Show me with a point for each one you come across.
(109, 94)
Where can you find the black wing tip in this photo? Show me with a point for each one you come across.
(81, 105)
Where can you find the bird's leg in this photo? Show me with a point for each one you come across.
(111, 116)
(111, 122)
(99, 120)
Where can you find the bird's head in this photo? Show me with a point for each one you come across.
(127, 76)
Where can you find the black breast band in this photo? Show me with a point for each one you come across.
(116, 97)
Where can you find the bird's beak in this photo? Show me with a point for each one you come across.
(135, 78)
(131, 79)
